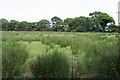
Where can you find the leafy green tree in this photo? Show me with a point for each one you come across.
(96, 20)
(69, 24)
(105, 19)
(78, 24)
(43, 24)
(112, 28)
(32, 26)
(23, 26)
(14, 25)
(82, 24)
(89, 26)
(59, 26)
(100, 20)
(55, 19)
(5, 24)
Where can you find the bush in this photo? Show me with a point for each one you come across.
(13, 57)
(99, 60)
(107, 65)
(51, 65)
(45, 29)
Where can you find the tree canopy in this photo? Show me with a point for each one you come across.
(101, 20)
(97, 22)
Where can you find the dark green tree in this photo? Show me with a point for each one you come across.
(105, 19)
(59, 26)
(32, 26)
(112, 28)
(56, 23)
(69, 24)
(14, 25)
(23, 26)
(5, 24)
(100, 20)
(82, 24)
(43, 24)
(55, 19)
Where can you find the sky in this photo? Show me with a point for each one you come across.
(35, 10)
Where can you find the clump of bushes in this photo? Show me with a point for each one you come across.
(99, 61)
(13, 57)
(51, 65)
(107, 66)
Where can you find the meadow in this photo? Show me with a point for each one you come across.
(34, 54)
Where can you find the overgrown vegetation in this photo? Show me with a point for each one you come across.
(96, 22)
(51, 65)
(13, 58)
(77, 55)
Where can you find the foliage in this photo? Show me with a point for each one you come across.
(14, 25)
(90, 55)
(55, 19)
(112, 28)
(96, 22)
(69, 24)
(5, 24)
(13, 57)
(101, 20)
(51, 65)
(43, 24)
(58, 26)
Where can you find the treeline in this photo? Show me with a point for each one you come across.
(97, 22)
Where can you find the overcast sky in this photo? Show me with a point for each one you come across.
(35, 10)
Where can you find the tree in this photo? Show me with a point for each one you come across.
(56, 23)
(105, 19)
(112, 28)
(95, 20)
(14, 25)
(89, 26)
(100, 20)
(55, 19)
(59, 26)
(82, 24)
(22, 26)
(78, 24)
(69, 24)
(43, 24)
(32, 26)
(5, 24)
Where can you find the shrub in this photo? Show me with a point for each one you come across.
(13, 56)
(99, 60)
(108, 64)
(51, 65)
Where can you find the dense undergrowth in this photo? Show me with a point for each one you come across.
(78, 55)
(13, 58)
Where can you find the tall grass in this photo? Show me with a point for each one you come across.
(51, 65)
(98, 61)
(13, 57)
(94, 55)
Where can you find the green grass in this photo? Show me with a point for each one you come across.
(90, 55)
(13, 58)
(53, 64)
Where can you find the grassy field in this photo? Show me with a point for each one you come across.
(59, 55)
